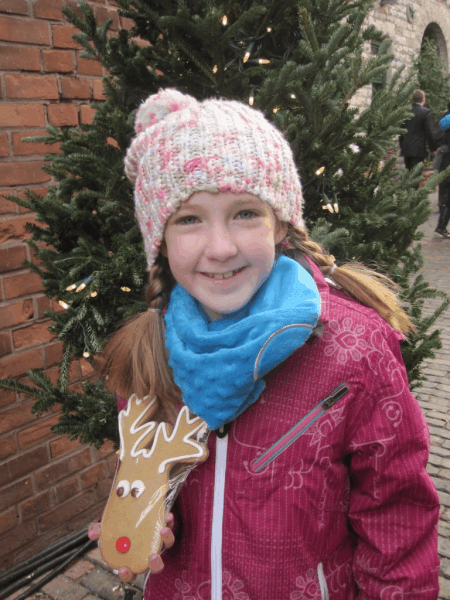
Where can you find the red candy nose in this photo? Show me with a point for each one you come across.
(123, 544)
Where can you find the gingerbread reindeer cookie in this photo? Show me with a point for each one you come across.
(143, 488)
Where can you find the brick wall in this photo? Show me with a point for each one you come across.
(49, 486)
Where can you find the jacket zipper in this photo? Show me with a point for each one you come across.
(299, 429)
(217, 519)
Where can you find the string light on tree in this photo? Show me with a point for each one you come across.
(63, 304)
(71, 287)
(248, 52)
(251, 100)
(269, 29)
(86, 354)
(263, 61)
(320, 171)
(215, 69)
(125, 289)
(224, 20)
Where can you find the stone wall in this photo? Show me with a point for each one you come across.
(431, 18)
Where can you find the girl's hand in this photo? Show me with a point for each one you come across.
(155, 562)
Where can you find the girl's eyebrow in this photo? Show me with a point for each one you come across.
(235, 205)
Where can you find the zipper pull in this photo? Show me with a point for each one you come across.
(334, 396)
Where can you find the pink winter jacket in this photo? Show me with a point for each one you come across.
(319, 489)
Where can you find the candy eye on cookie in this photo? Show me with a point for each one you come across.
(123, 488)
(137, 488)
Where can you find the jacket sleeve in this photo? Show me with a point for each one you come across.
(394, 506)
(428, 123)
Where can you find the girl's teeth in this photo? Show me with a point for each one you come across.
(224, 275)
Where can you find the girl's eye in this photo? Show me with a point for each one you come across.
(183, 220)
(123, 488)
(137, 488)
(248, 212)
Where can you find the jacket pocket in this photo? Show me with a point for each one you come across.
(299, 429)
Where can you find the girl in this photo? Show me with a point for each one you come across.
(315, 487)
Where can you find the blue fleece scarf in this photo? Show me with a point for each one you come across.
(219, 365)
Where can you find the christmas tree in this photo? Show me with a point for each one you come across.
(300, 62)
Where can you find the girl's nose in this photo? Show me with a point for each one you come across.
(220, 243)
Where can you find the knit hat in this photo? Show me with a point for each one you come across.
(184, 146)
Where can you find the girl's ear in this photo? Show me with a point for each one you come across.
(280, 231)
(163, 248)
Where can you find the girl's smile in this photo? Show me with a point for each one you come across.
(221, 248)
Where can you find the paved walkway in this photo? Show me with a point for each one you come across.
(90, 579)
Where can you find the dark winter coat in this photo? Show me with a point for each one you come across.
(319, 489)
(420, 133)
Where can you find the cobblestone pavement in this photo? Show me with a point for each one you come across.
(434, 396)
(90, 579)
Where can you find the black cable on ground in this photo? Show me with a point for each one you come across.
(20, 583)
(59, 569)
(42, 557)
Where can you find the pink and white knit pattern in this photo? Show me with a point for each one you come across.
(185, 146)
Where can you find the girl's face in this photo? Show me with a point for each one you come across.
(224, 234)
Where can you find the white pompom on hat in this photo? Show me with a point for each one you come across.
(184, 146)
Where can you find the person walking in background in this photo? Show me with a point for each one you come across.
(413, 144)
(442, 161)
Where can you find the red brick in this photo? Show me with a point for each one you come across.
(48, 9)
(87, 66)
(5, 476)
(73, 5)
(4, 144)
(31, 86)
(7, 445)
(127, 24)
(93, 475)
(5, 345)
(39, 432)
(104, 451)
(20, 536)
(73, 87)
(103, 489)
(62, 114)
(62, 37)
(67, 489)
(87, 114)
(112, 142)
(22, 173)
(11, 259)
(7, 206)
(14, 493)
(57, 61)
(13, 29)
(86, 368)
(14, 58)
(8, 520)
(17, 312)
(15, 417)
(28, 462)
(22, 285)
(62, 446)
(35, 506)
(66, 511)
(53, 353)
(16, 364)
(22, 115)
(102, 13)
(14, 229)
(43, 304)
(62, 468)
(21, 148)
(98, 89)
(32, 335)
(18, 7)
(7, 396)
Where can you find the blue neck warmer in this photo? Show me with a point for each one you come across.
(219, 365)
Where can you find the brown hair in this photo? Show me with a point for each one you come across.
(418, 96)
(136, 360)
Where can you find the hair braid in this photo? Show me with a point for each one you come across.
(371, 288)
(135, 359)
